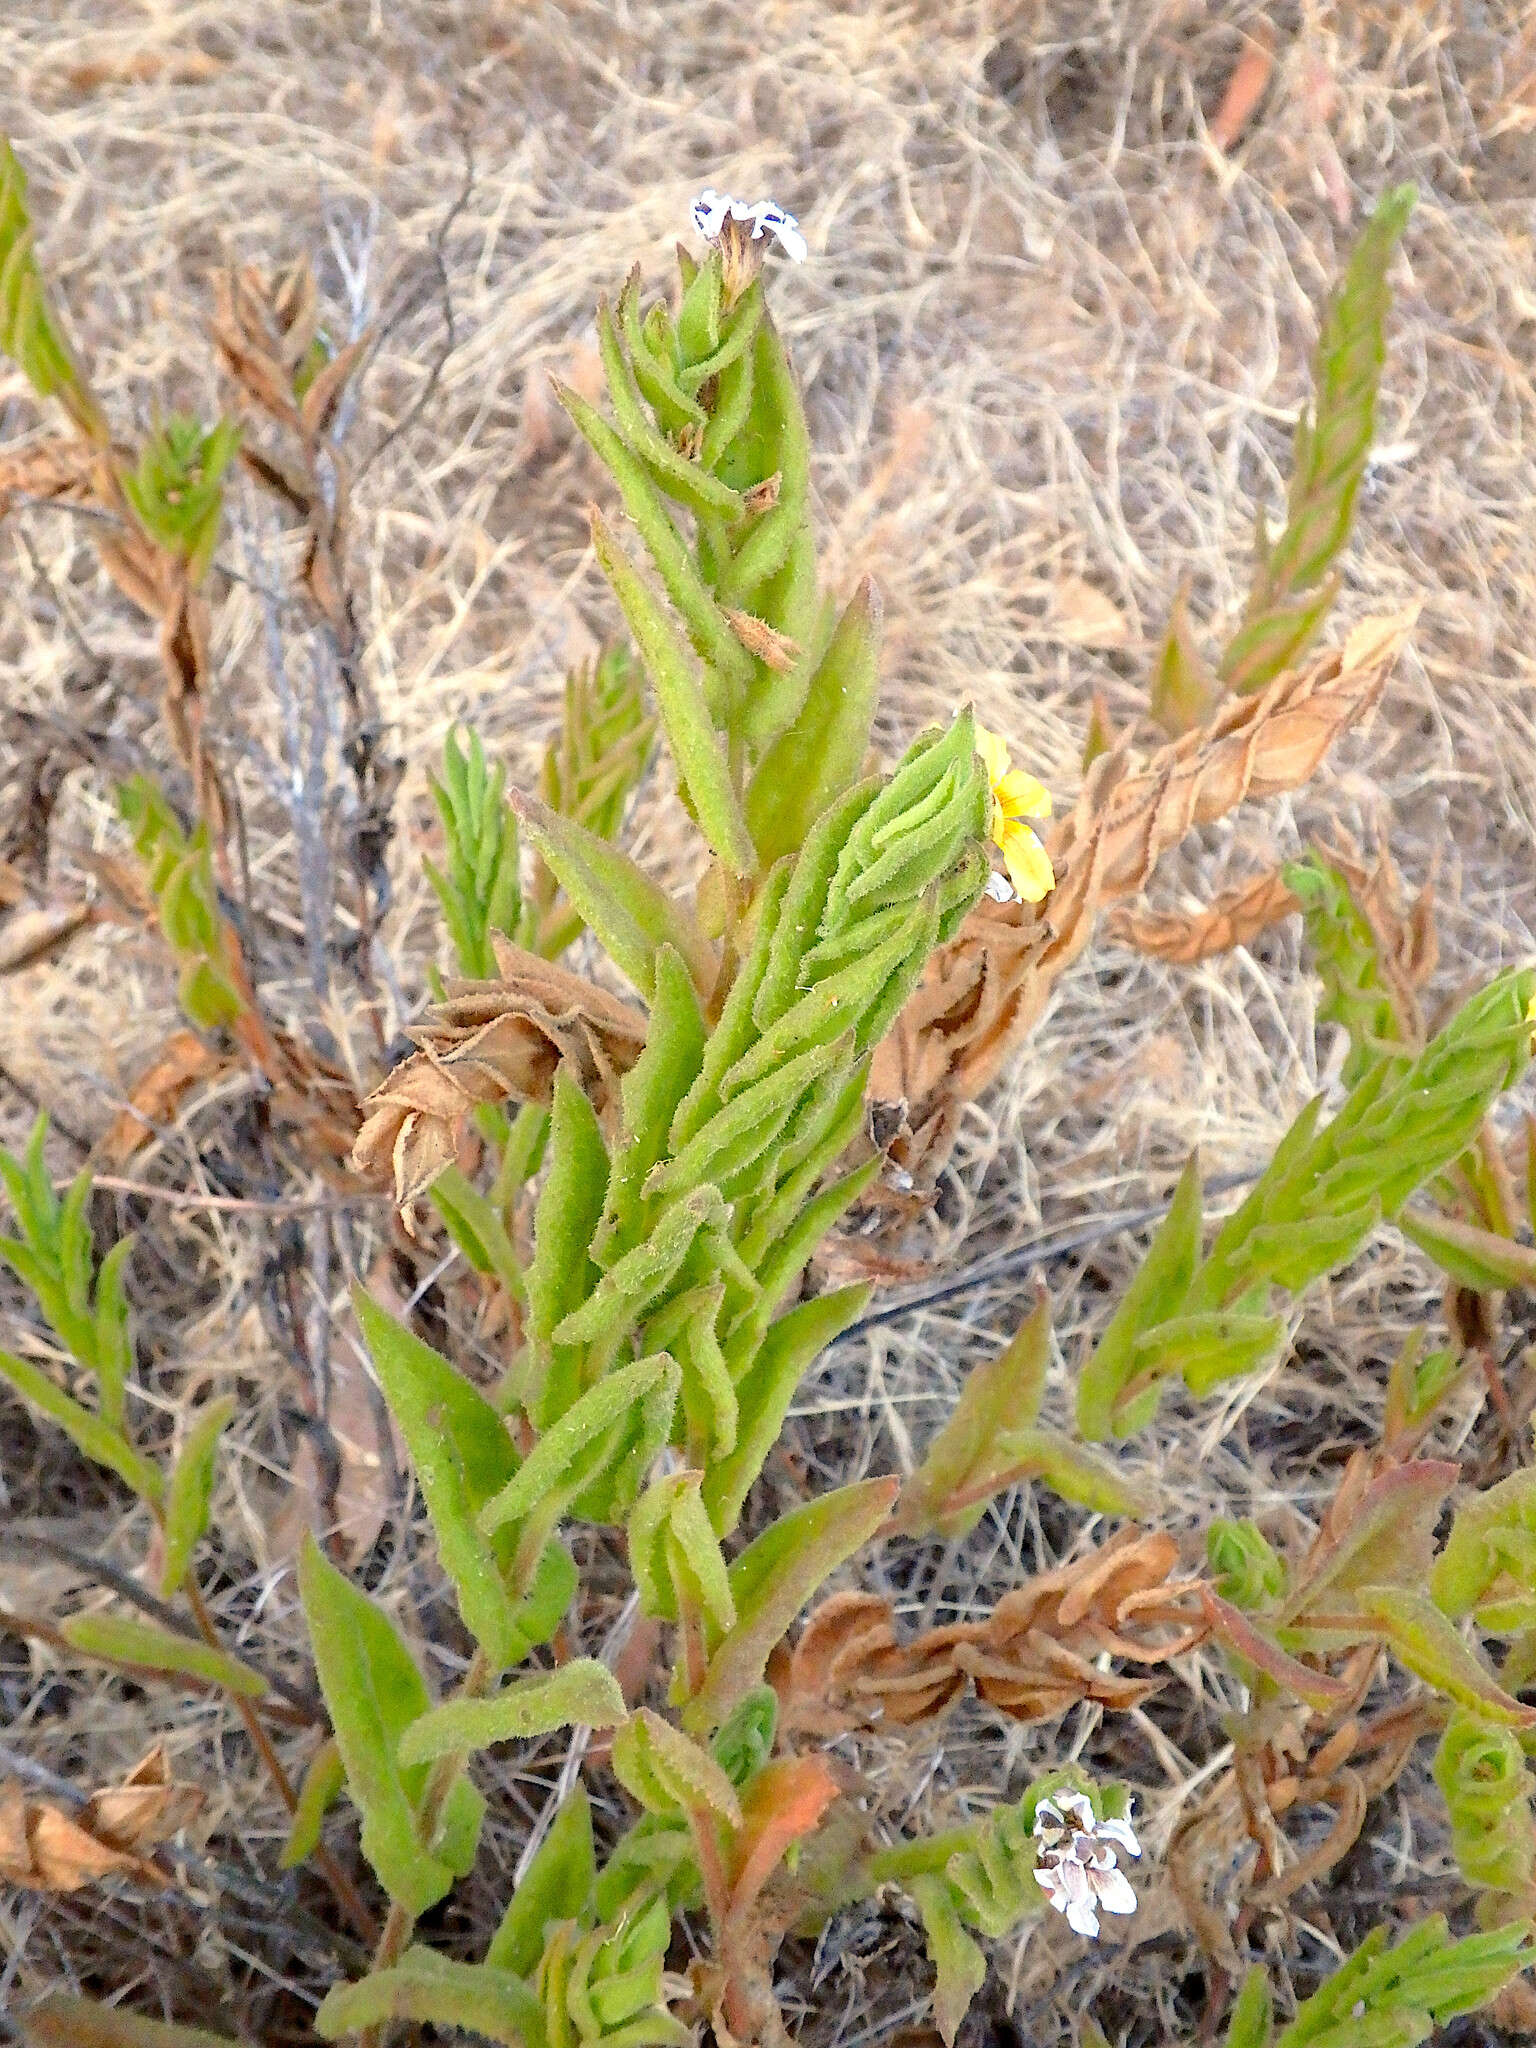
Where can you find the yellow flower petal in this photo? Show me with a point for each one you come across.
(1021, 796)
(1028, 863)
(994, 755)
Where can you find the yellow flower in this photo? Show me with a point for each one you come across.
(1015, 798)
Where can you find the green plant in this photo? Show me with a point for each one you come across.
(647, 1224)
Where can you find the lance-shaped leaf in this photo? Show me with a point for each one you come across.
(63, 2021)
(1252, 2024)
(1396, 1997)
(791, 1346)
(1483, 1260)
(1426, 1642)
(324, 1781)
(1384, 1535)
(820, 754)
(1000, 1394)
(651, 1092)
(1184, 690)
(639, 1279)
(432, 1989)
(772, 1580)
(783, 1804)
(632, 916)
(561, 1274)
(373, 1692)
(189, 1497)
(669, 1773)
(582, 1693)
(479, 893)
(29, 330)
(473, 1222)
(1345, 953)
(708, 628)
(960, 1968)
(557, 1885)
(90, 1432)
(122, 1639)
(566, 1457)
(1333, 443)
(696, 748)
(1156, 1293)
(1489, 1560)
(463, 1457)
(674, 1554)
(1260, 1650)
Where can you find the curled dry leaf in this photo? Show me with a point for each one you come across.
(493, 1041)
(1032, 1658)
(43, 1848)
(1234, 918)
(983, 992)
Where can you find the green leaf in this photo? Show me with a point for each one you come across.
(1333, 444)
(92, 1434)
(1001, 1394)
(1252, 2024)
(432, 1989)
(560, 1463)
(669, 1773)
(1247, 1571)
(472, 1221)
(557, 1885)
(695, 744)
(1425, 1641)
(959, 1965)
(1487, 1787)
(767, 1387)
(632, 917)
(651, 1092)
(565, 1223)
(324, 1782)
(819, 755)
(581, 1693)
(743, 1742)
(1184, 689)
(1394, 1998)
(373, 1692)
(772, 1580)
(1473, 1257)
(463, 1457)
(1489, 1559)
(121, 1640)
(62, 2021)
(674, 1554)
(189, 1498)
(1155, 1294)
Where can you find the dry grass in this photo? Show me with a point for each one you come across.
(1049, 334)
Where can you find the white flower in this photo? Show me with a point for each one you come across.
(1075, 1862)
(712, 209)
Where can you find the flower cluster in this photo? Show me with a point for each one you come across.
(1075, 1864)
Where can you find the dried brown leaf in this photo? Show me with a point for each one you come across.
(1031, 1659)
(181, 1064)
(982, 993)
(43, 1848)
(1234, 918)
(493, 1041)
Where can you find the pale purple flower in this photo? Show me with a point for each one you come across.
(1075, 1861)
(712, 209)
